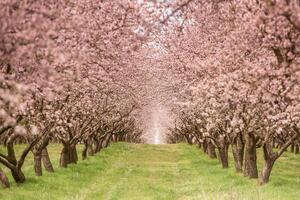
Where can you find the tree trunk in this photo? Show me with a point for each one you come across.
(91, 149)
(270, 159)
(18, 175)
(84, 151)
(104, 143)
(266, 171)
(223, 153)
(65, 156)
(199, 145)
(74, 155)
(46, 160)
(238, 154)
(292, 147)
(4, 180)
(188, 139)
(297, 149)
(68, 155)
(96, 146)
(99, 146)
(250, 166)
(38, 163)
(204, 144)
(211, 150)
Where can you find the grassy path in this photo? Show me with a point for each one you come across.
(128, 171)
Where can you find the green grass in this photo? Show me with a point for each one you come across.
(129, 171)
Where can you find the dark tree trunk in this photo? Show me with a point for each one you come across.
(73, 154)
(250, 165)
(104, 143)
(64, 156)
(99, 146)
(91, 150)
(117, 138)
(68, 155)
(18, 175)
(4, 180)
(211, 150)
(197, 142)
(292, 147)
(238, 153)
(205, 149)
(84, 151)
(96, 146)
(199, 145)
(296, 149)
(15, 165)
(46, 160)
(38, 163)
(188, 139)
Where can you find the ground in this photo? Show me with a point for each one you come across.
(141, 171)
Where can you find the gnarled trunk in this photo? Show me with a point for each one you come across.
(250, 166)
(12, 163)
